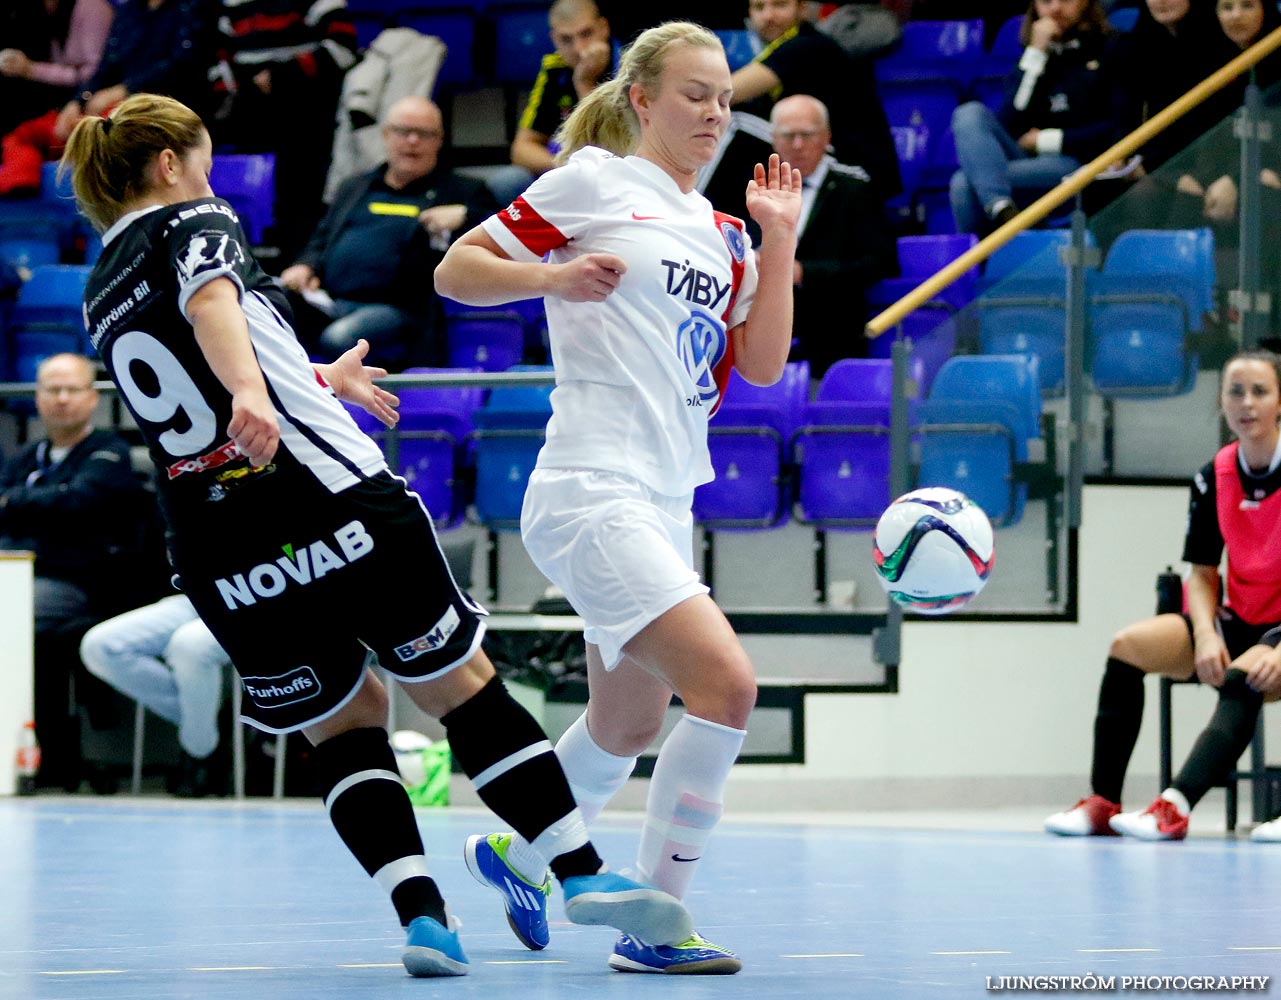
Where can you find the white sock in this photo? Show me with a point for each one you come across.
(999, 205)
(594, 776)
(1179, 799)
(685, 796)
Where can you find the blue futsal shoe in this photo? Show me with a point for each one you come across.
(433, 950)
(525, 902)
(692, 957)
(633, 908)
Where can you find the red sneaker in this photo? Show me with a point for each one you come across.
(1159, 821)
(1088, 818)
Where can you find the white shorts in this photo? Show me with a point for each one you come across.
(622, 553)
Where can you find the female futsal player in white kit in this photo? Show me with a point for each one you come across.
(651, 298)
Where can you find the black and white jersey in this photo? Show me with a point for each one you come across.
(135, 307)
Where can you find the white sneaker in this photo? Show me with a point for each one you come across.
(1159, 821)
(1088, 818)
(1269, 833)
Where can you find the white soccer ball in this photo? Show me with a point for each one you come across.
(933, 550)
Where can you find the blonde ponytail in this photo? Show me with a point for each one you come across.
(605, 117)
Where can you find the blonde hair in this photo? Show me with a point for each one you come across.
(605, 117)
(108, 158)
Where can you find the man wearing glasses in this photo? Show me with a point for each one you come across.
(844, 245)
(72, 498)
(367, 270)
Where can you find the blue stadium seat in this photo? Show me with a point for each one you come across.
(842, 450)
(509, 431)
(492, 340)
(921, 257)
(47, 317)
(1156, 288)
(935, 50)
(247, 182)
(748, 439)
(431, 442)
(975, 429)
(521, 41)
(932, 333)
(919, 113)
(988, 85)
(741, 46)
(29, 251)
(1179, 261)
(456, 27)
(1124, 18)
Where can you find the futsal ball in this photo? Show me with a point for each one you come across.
(933, 550)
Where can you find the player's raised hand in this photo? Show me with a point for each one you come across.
(253, 426)
(589, 278)
(774, 194)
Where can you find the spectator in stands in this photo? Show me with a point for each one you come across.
(799, 59)
(45, 65)
(277, 80)
(73, 499)
(1206, 193)
(584, 56)
(1059, 111)
(1174, 46)
(1234, 507)
(385, 230)
(844, 244)
(157, 46)
(164, 657)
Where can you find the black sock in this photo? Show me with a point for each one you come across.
(503, 750)
(1222, 741)
(370, 809)
(1116, 727)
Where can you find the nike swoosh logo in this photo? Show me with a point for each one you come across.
(646, 218)
(677, 857)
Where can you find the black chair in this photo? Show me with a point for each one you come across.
(1265, 781)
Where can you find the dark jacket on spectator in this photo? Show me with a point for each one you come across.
(160, 51)
(1159, 67)
(395, 244)
(1077, 92)
(75, 515)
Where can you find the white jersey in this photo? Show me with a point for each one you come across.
(638, 375)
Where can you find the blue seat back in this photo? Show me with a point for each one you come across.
(1031, 330)
(949, 50)
(1011, 379)
(491, 341)
(521, 41)
(1138, 349)
(509, 432)
(1180, 260)
(918, 111)
(456, 27)
(740, 44)
(248, 182)
(29, 251)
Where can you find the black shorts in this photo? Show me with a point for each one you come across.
(300, 584)
(1238, 634)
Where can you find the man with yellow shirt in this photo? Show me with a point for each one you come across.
(362, 273)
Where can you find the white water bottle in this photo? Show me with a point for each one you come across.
(27, 761)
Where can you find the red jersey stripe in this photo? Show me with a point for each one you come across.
(535, 233)
(726, 364)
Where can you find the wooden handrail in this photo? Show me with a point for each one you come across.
(1043, 206)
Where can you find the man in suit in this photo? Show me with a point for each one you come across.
(844, 247)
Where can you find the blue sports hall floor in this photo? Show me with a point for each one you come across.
(152, 898)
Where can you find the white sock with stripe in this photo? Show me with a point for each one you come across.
(685, 796)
